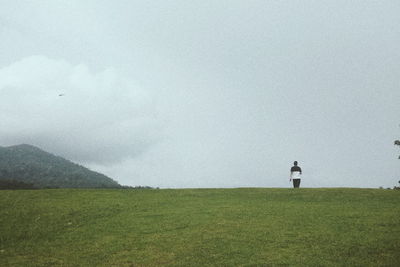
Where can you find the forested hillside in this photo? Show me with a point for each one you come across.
(31, 165)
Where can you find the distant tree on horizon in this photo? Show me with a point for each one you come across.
(397, 143)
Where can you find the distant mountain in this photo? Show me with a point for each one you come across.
(26, 164)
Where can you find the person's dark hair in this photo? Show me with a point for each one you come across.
(295, 163)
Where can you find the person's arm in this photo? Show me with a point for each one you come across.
(300, 171)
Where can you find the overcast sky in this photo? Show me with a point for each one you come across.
(206, 93)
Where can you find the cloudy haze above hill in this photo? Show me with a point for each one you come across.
(95, 117)
(206, 93)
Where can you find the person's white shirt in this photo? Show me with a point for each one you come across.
(295, 175)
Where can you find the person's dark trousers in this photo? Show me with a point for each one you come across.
(296, 183)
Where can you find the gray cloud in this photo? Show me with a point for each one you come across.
(67, 109)
(234, 91)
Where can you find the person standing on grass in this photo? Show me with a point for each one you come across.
(295, 175)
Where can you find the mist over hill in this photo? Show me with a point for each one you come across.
(30, 165)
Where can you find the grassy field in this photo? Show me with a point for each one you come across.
(200, 227)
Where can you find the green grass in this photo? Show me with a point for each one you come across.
(200, 227)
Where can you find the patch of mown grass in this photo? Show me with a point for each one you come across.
(200, 227)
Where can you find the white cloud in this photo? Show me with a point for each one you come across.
(69, 110)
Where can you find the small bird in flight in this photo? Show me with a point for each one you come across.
(61, 95)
